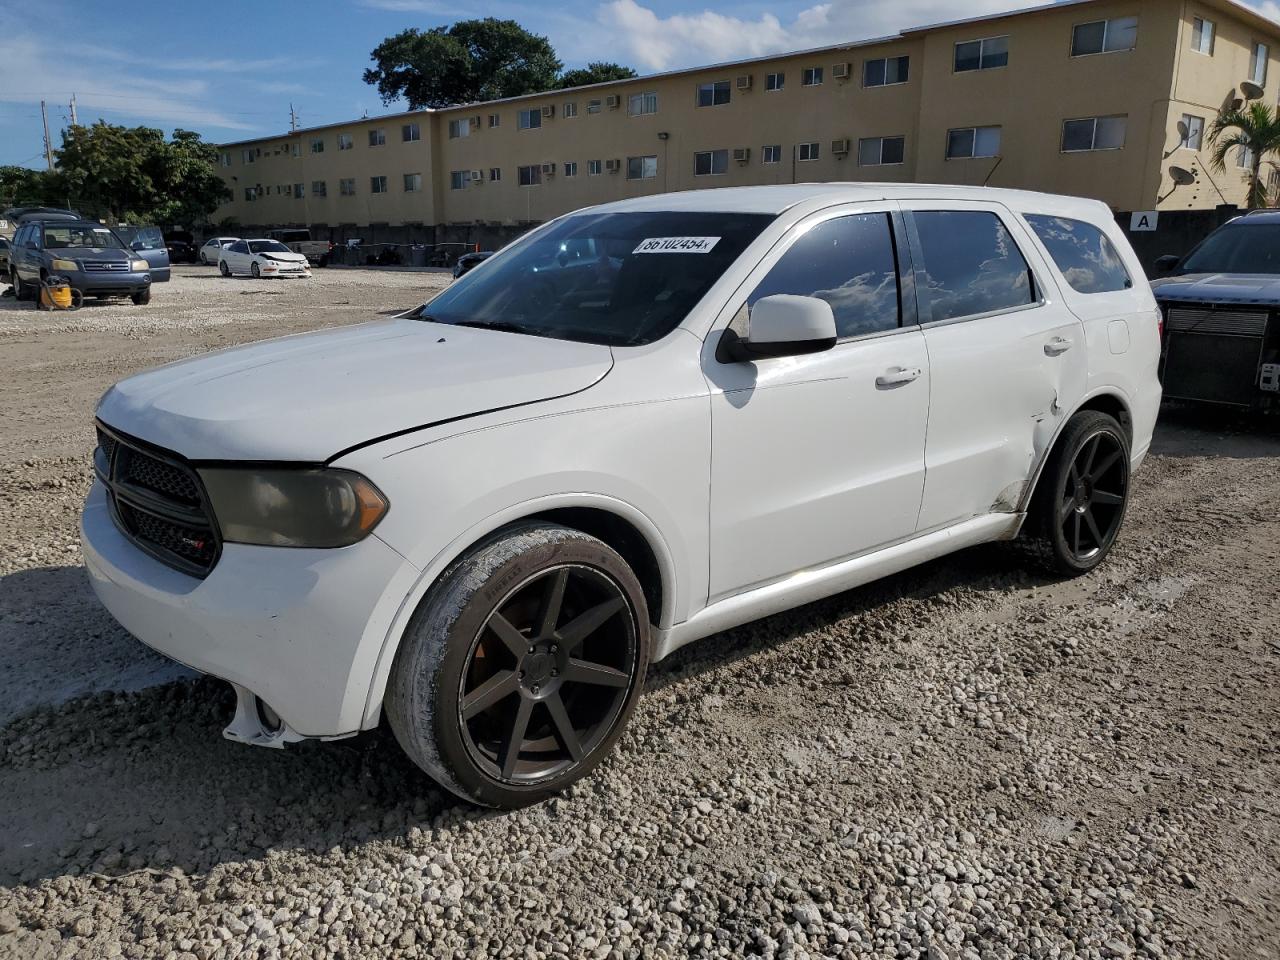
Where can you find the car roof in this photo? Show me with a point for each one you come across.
(782, 197)
(1254, 217)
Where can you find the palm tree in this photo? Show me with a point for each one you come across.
(1256, 129)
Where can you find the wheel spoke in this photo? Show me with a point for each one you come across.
(1093, 452)
(1074, 476)
(580, 671)
(1076, 535)
(1065, 509)
(1107, 499)
(1106, 464)
(588, 622)
(500, 685)
(565, 733)
(552, 602)
(510, 752)
(1093, 528)
(515, 641)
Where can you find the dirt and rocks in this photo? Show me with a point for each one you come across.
(964, 761)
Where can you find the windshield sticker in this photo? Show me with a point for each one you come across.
(676, 245)
(101, 230)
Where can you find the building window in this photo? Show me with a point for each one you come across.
(775, 81)
(344, 141)
(1244, 158)
(1093, 133)
(317, 145)
(458, 179)
(571, 168)
(299, 191)
(810, 76)
(319, 188)
(1258, 64)
(494, 120)
(593, 168)
(642, 168)
(641, 104)
(713, 94)
(410, 132)
(530, 176)
(224, 158)
(1194, 137)
(247, 155)
(377, 184)
(377, 137)
(986, 54)
(881, 151)
(495, 174)
(593, 106)
(771, 153)
(529, 119)
(708, 163)
(412, 182)
(459, 128)
(347, 187)
(885, 72)
(250, 193)
(570, 109)
(1104, 36)
(297, 149)
(808, 151)
(1202, 32)
(968, 142)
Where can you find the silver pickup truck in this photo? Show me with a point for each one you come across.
(299, 241)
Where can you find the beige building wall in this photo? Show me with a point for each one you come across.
(1029, 99)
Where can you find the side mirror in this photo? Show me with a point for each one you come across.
(138, 245)
(1167, 262)
(782, 325)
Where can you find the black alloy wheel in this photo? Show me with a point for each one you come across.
(1094, 496)
(547, 676)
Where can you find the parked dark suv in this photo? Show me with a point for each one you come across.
(1221, 305)
(93, 259)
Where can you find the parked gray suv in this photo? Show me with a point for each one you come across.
(92, 258)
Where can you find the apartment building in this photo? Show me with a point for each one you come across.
(1098, 98)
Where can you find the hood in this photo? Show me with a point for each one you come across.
(283, 257)
(91, 254)
(1260, 288)
(308, 397)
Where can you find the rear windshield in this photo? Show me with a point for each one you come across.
(267, 246)
(1253, 248)
(622, 279)
(81, 236)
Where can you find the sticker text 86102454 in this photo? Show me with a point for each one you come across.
(676, 245)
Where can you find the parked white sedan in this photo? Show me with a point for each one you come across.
(635, 426)
(211, 252)
(262, 258)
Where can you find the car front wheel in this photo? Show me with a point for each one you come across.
(521, 667)
(141, 299)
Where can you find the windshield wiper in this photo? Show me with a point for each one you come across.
(505, 326)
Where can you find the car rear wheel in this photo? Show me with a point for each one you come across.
(1080, 500)
(223, 268)
(521, 667)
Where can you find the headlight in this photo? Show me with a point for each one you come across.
(294, 508)
(63, 265)
(139, 266)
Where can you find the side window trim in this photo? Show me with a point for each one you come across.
(920, 280)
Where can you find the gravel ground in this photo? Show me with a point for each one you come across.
(964, 761)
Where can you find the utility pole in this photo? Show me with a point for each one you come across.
(48, 147)
(74, 121)
(293, 119)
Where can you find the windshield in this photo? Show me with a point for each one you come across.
(82, 236)
(267, 246)
(1242, 248)
(621, 279)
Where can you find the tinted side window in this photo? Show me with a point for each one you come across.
(971, 265)
(848, 262)
(1083, 253)
(240, 247)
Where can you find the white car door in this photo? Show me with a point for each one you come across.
(237, 257)
(819, 457)
(1006, 356)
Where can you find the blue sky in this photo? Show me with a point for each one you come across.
(230, 68)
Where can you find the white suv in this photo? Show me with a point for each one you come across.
(640, 424)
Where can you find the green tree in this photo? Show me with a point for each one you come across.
(596, 72)
(22, 186)
(1255, 128)
(133, 173)
(472, 60)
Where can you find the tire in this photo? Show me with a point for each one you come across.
(1079, 503)
(223, 268)
(253, 268)
(478, 642)
(20, 290)
(204, 260)
(141, 299)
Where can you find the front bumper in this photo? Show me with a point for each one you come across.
(120, 284)
(301, 629)
(285, 269)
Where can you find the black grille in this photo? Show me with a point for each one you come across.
(158, 502)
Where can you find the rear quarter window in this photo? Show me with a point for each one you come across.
(1088, 260)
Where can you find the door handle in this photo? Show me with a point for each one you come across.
(896, 376)
(1057, 346)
